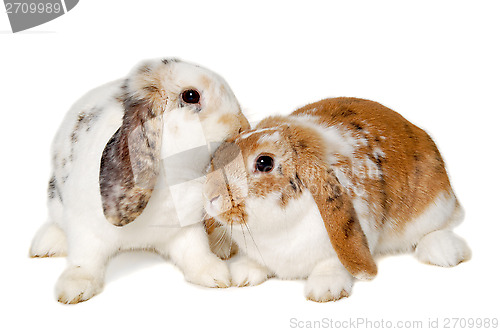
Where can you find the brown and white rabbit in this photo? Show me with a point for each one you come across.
(318, 193)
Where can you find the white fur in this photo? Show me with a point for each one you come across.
(250, 133)
(290, 242)
(442, 213)
(378, 153)
(442, 248)
(247, 272)
(49, 241)
(91, 239)
(329, 281)
(306, 117)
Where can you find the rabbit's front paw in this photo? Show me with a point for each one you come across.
(246, 272)
(332, 286)
(77, 285)
(213, 273)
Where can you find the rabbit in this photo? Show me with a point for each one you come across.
(317, 194)
(111, 189)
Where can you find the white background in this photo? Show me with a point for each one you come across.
(436, 62)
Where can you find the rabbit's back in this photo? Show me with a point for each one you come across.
(87, 125)
(393, 167)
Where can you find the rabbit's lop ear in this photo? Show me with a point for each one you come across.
(342, 225)
(336, 209)
(130, 162)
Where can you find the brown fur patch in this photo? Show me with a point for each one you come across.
(206, 82)
(412, 170)
(210, 225)
(234, 121)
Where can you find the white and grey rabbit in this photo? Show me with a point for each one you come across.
(125, 174)
(315, 195)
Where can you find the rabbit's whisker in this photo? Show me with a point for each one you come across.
(244, 237)
(221, 240)
(255, 244)
(231, 237)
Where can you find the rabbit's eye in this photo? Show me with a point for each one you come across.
(264, 164)
(191, 97)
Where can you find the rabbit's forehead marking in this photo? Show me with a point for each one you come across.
(261, 141)
(273, 137)
(249, 133)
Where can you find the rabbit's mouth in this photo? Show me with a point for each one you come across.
(234, 215)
